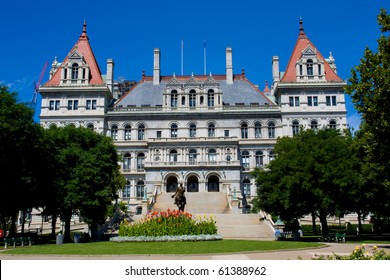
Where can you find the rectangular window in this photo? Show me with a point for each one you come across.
(312, 100)
(75, 104)
(334, 101)
(226, 133)
(297, 101)
(294, 101)
(158, 133)
(328, 101)
(94, 104)
(291, 101)
(70, 104)
(51, 105)
(88, 106)
(57, 107)
(315, 101)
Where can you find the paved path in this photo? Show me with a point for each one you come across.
(307, 254)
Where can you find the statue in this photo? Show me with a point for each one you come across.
(180, 199)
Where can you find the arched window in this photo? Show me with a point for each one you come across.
(140, 189)
(257, 130)
(192, 130)
(259, 157)
(244, 131)
(212, 156)
(192, 98)
(211, 130)
(126, 162)
(174, 98)
(314, 125)
(114, 132)
(246, 187)
(173, 156)
(295, 128)
(127, 132)
(126, 190)
(210, 98)
(140, 162)
(91, 127)
(192, 156)
(245, 160)
(332, 124)
(271, 130)
(75, 71)
(309, 67)
(174, 130)
(141, 132)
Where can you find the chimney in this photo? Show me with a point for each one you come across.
(110, 74)
(229, 66)
(275, 69)
(156, 67)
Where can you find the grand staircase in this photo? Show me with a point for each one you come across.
(230, 226)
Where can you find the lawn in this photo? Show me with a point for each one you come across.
(130, 248)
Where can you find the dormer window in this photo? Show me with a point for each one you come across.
(309, 68)
(75, 71)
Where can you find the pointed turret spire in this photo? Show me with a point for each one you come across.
(302, 34)
(84, 33)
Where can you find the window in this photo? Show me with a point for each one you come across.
(140, 189)
(126, 162)
(174, 130)
(192, 156)
(294, 101)
(312, 100)
(88, 107)
(75, 71)
(314, 125)
(257, 130)
(309, 67)
(226, 133)
(245, 160)
(295, 128)
(212, 156)
(141, 132)
(70, 104)
(54, 105)
(259, 157)
(174, 98)
(244, 131)
(332, 124)
(94, 104)
(246, 187)
(127, 132)
(210, 98)
(126, 190)
(91, 104)
(319, 69)
(91, 127)
(183, 101)
(192, 98)
(211, 130)
(331, 101)
(140, 162)
(114, 132)
(271, 130)
(271, 155)
(173, 156)
(192, 130)
(158, 133)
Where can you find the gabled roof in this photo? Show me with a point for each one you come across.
(82, 47)
(301, 45)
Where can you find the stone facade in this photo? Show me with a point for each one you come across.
(208, 132)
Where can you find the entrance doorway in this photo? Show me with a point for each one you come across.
(213, 184)
(193, 184)
(171, 184)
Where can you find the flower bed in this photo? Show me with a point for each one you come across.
(202, 237)
(169, 223)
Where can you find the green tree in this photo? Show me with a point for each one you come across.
(86, 175)
(369, 87)
(20, 152)
(311, 174)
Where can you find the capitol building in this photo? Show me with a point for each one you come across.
(208, 132)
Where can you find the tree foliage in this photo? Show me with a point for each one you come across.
(311, 174)
(369, 87)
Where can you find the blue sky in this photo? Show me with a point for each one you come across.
(128, 31)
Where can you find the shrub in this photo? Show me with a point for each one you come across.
(170, 222)
(359, 253)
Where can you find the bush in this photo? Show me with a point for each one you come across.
(359, 253)
(170, 222)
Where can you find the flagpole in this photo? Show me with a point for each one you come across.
(204, 56)
(182, 57)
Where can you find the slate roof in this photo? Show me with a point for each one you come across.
(241, 91)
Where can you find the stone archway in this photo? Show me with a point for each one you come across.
(171, 184)
(192, 184)
(213, 184)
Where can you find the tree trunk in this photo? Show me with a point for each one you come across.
(324, 223)
(313, 219)
(360, 221)
(53, 225)
(12, 230)
(67, 218)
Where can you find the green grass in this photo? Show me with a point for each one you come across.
(130, 248)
